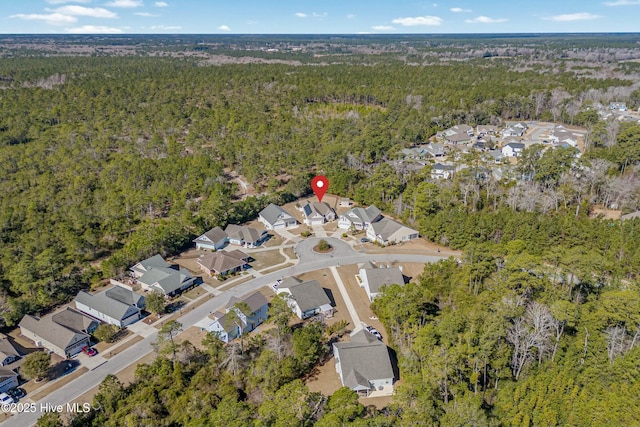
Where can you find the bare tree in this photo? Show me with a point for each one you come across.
(616, 337)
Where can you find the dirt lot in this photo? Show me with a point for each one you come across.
(266, 259)
(602, 212)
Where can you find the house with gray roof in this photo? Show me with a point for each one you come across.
(388, 231)
(75, 320)
(318, 213)
(442, 171)
(8, 379)
(359, 218)
(166, 280)
(117, 306)
(247, 237)
(44, 332)
(223, 262)
(8, 352)
(212, 240)
(306, 299)
(513, 149)
(142, 267)
(275, 217)
(373, 278)
(230, 326)
(365, 365)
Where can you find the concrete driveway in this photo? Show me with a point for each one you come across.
(305, 251)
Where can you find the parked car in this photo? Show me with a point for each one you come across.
(373, 331)
(364, 240)
(89, 351)
(5, 399)
(17, 393)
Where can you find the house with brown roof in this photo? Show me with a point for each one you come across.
(223, 262)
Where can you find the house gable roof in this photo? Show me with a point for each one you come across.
(363, 359)
(7, 373)
(273, 213)
(220, 262)
(362, 215)
(124, 295)
(167, 278)
(378, 277)
(255, 301)
(241, 232)
(103, 303)
(317, 208)
(51, 331)
(73, 319)
(212, 236)
(6, 348)
(309, 295)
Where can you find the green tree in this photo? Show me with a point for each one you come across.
(36, 365)
(166, 338)
(105, 332)
(155, 302)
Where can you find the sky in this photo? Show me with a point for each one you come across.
(316, 16)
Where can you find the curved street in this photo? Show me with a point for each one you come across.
(309, 260)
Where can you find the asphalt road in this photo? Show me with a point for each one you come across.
(343, 254)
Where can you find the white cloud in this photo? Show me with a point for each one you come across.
(94, 12)
(224, 28)
(301, 15)
(383, 27)
(320, 15)
(485, 20)
(580, 16)
(166, 27)
(51, 18)
(161, 4)
(67, 1)
(419, 20)
(351, 16)
(94, 29)
(622, 3)
(147, 14)
(459, 10)
(125, 3)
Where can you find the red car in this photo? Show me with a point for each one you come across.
(89, 351)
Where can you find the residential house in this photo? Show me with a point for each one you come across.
(46, 333)
(8, 379)
(484, 130)
(561, 136)
(513, 149)
(372, 278)
(75, 321)
(247, 237)
(117, 305)
(318, 213)
(434, 150)
(167, 280)
(345, 202)
(458, 139)
(8, 352)
(442, 171)
(495, 156)
(359, 218)
(222, 262)
(364, 364)
(142, 267)
(213, 240)
(513, 131)
(620, 106)
(230, 326)
(306, 299)
(387, 231)
(274, 217)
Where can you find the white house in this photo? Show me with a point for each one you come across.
(387, 231)
(513, 149)
(247, 237)
(274, 217)
(213, 240)
(306, 299)
(8, 379)
(117, 306)
(232, 326)
(372, 278)
(359, 218)
(364, 364)
(318, 213)
(442, 171)
(8, 352)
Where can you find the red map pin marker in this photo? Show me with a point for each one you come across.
(320, 185)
